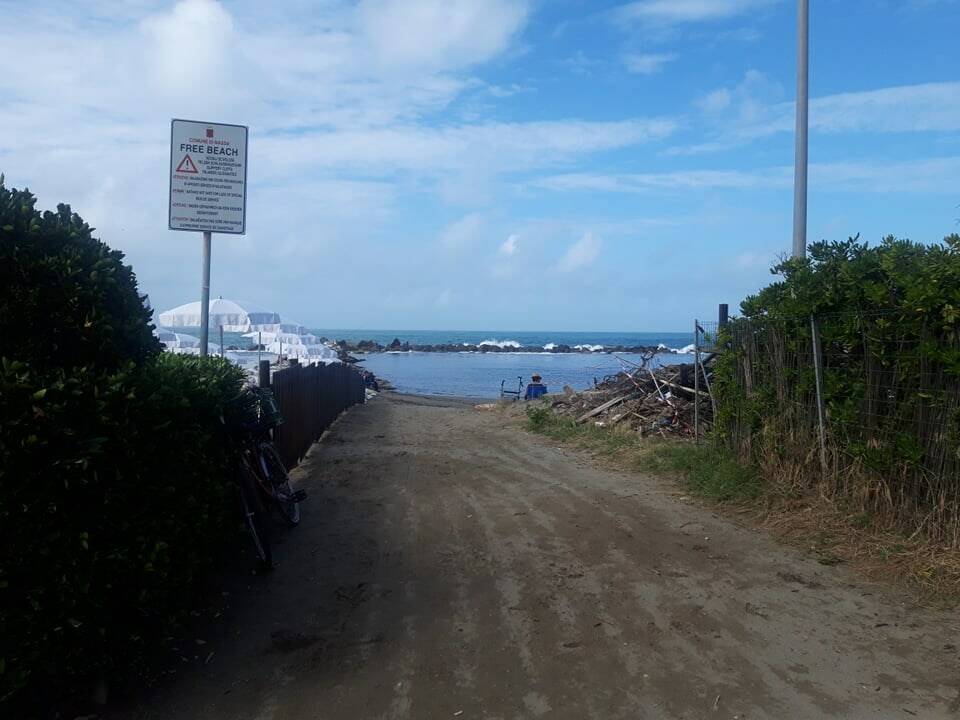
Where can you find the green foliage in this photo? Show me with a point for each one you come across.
(708, 470)
(541, 419)
(65, 297)
(889, 324)
(916, 281)
(538, 417)
(116, 462)
(114, 500)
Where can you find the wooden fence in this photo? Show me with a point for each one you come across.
(311, 397)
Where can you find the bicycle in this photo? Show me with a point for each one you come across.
(263, 479)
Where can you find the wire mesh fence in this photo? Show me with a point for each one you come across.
(864, 405)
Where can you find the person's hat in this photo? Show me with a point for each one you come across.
(536, 376)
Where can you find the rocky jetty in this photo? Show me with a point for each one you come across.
(397, 345)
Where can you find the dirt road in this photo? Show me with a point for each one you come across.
(450, 567)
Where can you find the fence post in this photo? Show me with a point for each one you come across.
(696, 382)
(264, 374)
(724, 315)
(821, 411)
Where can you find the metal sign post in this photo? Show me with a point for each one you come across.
(208, 191)
(205, 295)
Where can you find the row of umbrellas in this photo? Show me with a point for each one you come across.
(232, 315)
(263, 327)
(181, 342)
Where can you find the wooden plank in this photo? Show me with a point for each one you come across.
(686, 389)
(600, 408)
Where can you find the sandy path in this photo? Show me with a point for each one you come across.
(450, 567)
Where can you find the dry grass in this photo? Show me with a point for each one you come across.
(865, 542)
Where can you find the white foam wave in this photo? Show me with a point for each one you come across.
(550, 346)
(591, 348)
(500, 343)
(687, 349)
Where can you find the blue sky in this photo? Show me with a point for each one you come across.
(488, 164)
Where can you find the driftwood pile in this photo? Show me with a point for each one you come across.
(649, 401)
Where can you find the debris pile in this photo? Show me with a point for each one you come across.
(649, 401)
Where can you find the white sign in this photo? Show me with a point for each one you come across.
(208, 177)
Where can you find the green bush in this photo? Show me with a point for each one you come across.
(538, 417)
(116, 462)
(66, 299)
(708, 470)
(917, 284)
(114, 501)
(889, 327)
(884, 311)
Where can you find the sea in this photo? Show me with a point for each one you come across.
(484, 375)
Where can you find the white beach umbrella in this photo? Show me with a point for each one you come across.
(278, 328)
(212, 349)
(233, 315)
(267, 338)
(303, 352)
(174, 340)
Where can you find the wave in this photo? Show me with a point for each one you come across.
(550, 346)
(591, 348)
(686, 350)
(500, 343)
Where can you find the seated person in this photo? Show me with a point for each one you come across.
(536, 388)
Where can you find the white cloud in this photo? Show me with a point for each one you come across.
(647, 64)
(716, 101)
(581, 254)
(510, 245)
(462, 233)
(687, 11)
(504, 146)
(646, 182)
(932, 175)
(747, 102)
(749, 111)
(349, 112)
(907, 108)
(446, 33)
(194, 40)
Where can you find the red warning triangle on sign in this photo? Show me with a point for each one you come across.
(186, 166)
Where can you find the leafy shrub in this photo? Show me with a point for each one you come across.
(708, 470)
(65, 297)
(537, 417)
(919, 283)
(889, 325)
(114, 501)
(115, 461)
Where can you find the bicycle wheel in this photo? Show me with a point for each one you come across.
(283, 493)
(254, 517)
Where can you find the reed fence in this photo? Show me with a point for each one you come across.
(310, 398)
(861, 405)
